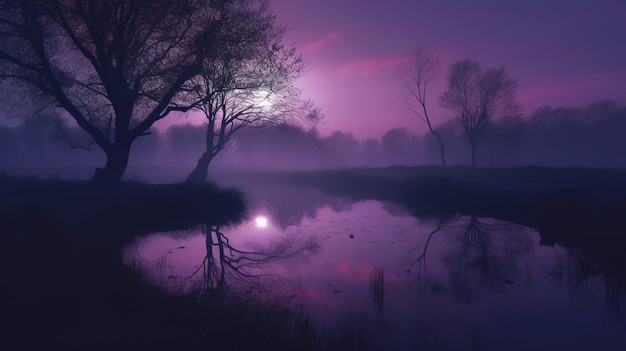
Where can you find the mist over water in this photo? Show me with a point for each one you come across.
(588, 136)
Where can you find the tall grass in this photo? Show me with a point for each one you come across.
(377, 288)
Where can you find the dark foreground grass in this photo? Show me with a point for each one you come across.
(128, 203)
(64, 285)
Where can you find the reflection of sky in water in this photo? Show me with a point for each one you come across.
(481, 282)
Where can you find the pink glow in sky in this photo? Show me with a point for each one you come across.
(564, 52)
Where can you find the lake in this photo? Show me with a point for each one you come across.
(455, 283)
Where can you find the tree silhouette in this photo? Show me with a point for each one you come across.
(117, 67)
(575, 136)
(399, 145)
(248, 87)
(341, 146)
(477, 97)
(419, 73)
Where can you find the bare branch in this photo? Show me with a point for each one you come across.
(478, 97)
(420, 72)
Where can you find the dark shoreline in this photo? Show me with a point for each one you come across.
(531, 196)
(61, 244)
(65, 285)
(578, 208)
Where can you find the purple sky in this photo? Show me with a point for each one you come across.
(563, 52)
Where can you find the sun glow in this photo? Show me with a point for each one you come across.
(263, 99)
(261, 221)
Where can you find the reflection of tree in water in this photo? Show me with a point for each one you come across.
(584, 278)
(395, 209)
(571, 269)
(290, 205)
(294, 213)
(225, 265)
(430, 335)
(481, 255)
(485, 258)
(420, 261)
(294, 209)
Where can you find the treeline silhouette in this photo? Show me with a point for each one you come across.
(589, 136)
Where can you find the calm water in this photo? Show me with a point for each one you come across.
(462, 283)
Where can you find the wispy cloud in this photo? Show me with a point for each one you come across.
(321, 42)
(367, 67)
(394, 61)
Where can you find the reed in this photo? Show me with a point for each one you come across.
(377, 288)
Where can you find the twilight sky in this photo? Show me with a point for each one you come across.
(564, 52)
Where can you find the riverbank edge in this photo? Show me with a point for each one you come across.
(65, 285)
(578, 208)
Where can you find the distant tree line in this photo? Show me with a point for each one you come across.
(590, 136)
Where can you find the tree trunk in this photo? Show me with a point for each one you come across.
(436, 134)
(473, 147)
(117, 160)
(199, 174)
(443, 159)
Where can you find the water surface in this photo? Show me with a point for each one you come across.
(443, 283)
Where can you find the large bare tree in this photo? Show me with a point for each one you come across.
(118, 66)
(417, 77)
(478, 97)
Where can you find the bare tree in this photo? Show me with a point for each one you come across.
(419, 73)
(224, 263)
(117, 66)
(249, 88)
(477, 97)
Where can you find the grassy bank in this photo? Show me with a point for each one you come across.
(65, 286)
